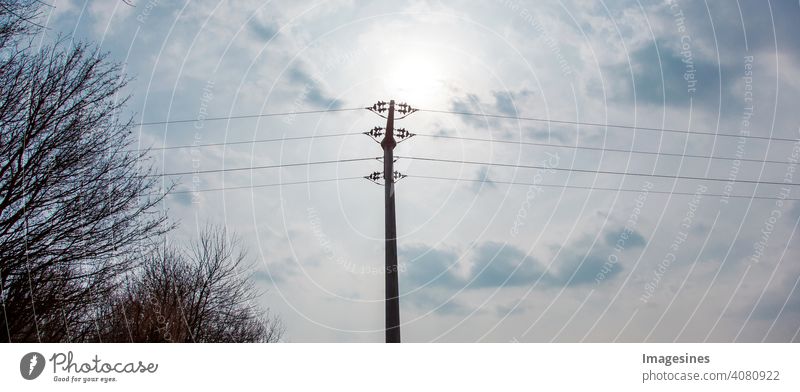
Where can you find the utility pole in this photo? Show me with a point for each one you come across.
(390, 176)
(392, 285)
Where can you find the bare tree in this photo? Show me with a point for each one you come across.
(78, 223)
(76, 206)
(203, 295)
(17, 19)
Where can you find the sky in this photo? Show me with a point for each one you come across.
(489, 251)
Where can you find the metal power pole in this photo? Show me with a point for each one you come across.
(390, 219)
(392, 287)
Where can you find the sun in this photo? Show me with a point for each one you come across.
(418, 80)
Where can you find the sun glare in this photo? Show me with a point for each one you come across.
(417, 80)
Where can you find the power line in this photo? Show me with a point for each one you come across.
(604, 149)
(593, 124)
(675, 177)
(267, 185)
(502, 141)
(245, 116)
(256, 141)
(598, 188)
(263, 167)
(488, 181)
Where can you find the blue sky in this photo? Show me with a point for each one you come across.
(484, 261)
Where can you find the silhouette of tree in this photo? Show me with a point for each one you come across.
(203, 295)
(79, 231)
(17, 20)
(76, 206)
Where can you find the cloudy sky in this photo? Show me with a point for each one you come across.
(489, 250)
